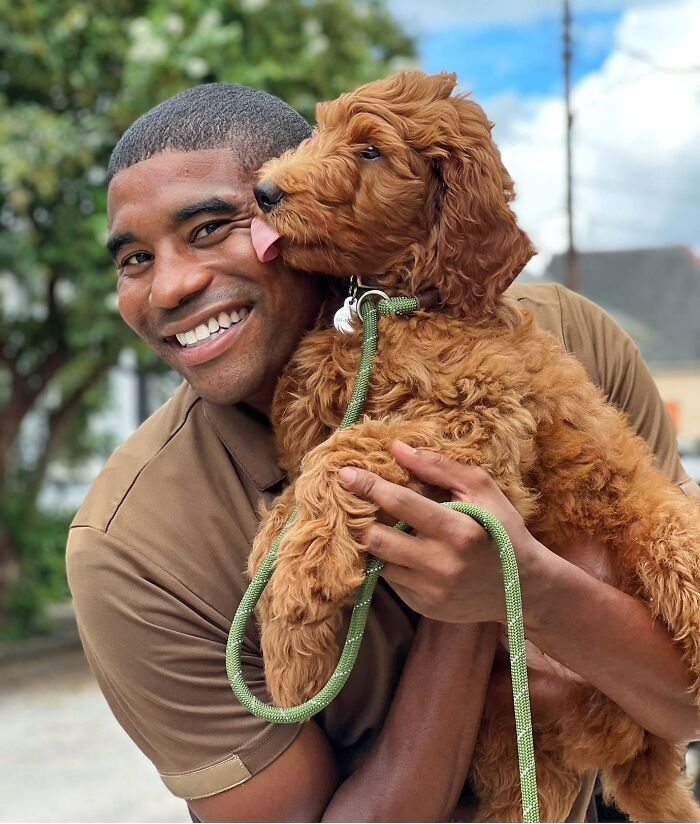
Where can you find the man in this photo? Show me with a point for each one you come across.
(156, 554)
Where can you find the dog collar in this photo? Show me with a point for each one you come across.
(386, 305)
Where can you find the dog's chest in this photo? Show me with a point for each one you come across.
(425, 366)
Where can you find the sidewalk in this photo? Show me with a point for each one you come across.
(63, 757)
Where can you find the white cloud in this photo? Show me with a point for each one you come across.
(422, 17)
(636, 138)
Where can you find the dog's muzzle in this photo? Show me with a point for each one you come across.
(268, 194)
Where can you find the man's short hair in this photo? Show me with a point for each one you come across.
(254, 124)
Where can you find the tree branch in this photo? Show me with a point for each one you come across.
(56, 322)
(10, 363)
(51, 364)
(57, 420)
(54, 314)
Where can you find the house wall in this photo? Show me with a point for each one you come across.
(680, 389)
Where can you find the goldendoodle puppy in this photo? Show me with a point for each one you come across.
(402, 183)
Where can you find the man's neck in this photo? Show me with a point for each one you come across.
(262, 406)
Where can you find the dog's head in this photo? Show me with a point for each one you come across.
(400, 183)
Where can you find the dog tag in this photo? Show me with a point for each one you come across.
(342, 320)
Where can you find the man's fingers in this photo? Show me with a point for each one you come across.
(463, 480)
(400, 578)
(425, 516)
(394, 546)
(410, 590)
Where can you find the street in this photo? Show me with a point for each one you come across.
(63, 757)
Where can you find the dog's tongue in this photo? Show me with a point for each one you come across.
(264, 238)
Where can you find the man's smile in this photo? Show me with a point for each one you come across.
(214, 325)
(205, 338)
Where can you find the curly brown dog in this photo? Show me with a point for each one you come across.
(402, 183)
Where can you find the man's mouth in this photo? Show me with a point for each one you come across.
(214, 326)
(208, 339)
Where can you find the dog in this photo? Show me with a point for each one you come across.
(402, 183)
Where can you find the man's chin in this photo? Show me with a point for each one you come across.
(223, 394)
(227, 388)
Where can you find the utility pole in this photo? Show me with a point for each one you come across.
(571, 256)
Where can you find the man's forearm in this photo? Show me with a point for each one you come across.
(417, 767)
(609, 638)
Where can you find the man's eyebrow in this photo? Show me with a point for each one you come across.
(212, 204)
(115, 242)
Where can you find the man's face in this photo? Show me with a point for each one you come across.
(179, 232)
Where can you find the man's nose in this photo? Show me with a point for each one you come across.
(175, 283)
(268, 194)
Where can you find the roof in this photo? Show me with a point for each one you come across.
(654, 294)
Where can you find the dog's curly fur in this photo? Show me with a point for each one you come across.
(479, 382)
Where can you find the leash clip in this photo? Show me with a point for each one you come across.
(344, 318)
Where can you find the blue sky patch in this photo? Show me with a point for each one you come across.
(522, 58)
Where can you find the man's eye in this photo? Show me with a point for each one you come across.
(369, 153)
(136, 259)
(208, 229)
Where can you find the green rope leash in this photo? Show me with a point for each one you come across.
(514, 611)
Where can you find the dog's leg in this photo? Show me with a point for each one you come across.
(662, 549)
(271, 525)
(322, 558)
(272, 522)
(596, 476)
(650, 787)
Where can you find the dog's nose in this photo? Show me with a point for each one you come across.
(268, 194)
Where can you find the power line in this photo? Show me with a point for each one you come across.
(632, 222)
(643, 57)
(634, 189)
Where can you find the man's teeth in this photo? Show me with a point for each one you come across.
(213, 326)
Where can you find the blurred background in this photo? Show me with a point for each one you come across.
(597, 112)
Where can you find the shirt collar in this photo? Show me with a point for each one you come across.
(247, 435)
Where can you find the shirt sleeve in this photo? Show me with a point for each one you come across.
(158, 653)
(615, 364)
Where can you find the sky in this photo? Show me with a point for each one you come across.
(636, 102)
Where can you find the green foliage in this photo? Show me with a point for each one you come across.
(40, 542)
(74, 75)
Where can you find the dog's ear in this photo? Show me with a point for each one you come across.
(476, 248)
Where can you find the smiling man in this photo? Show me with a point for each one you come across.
(156, 553)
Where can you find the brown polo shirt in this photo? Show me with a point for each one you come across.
(156, 559)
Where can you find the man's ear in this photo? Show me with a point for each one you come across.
(476, 248)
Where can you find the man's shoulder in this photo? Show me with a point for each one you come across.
(544, 301)
(584, 328)
(147, 444)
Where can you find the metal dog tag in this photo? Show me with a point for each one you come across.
(342, 320)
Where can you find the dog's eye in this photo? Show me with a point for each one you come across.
(369, 153)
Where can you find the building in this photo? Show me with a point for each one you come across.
(654, 294)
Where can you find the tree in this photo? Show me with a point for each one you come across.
(74, 76)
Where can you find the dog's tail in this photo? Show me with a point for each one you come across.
(652, 786)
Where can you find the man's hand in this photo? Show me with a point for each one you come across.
(450, 569)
